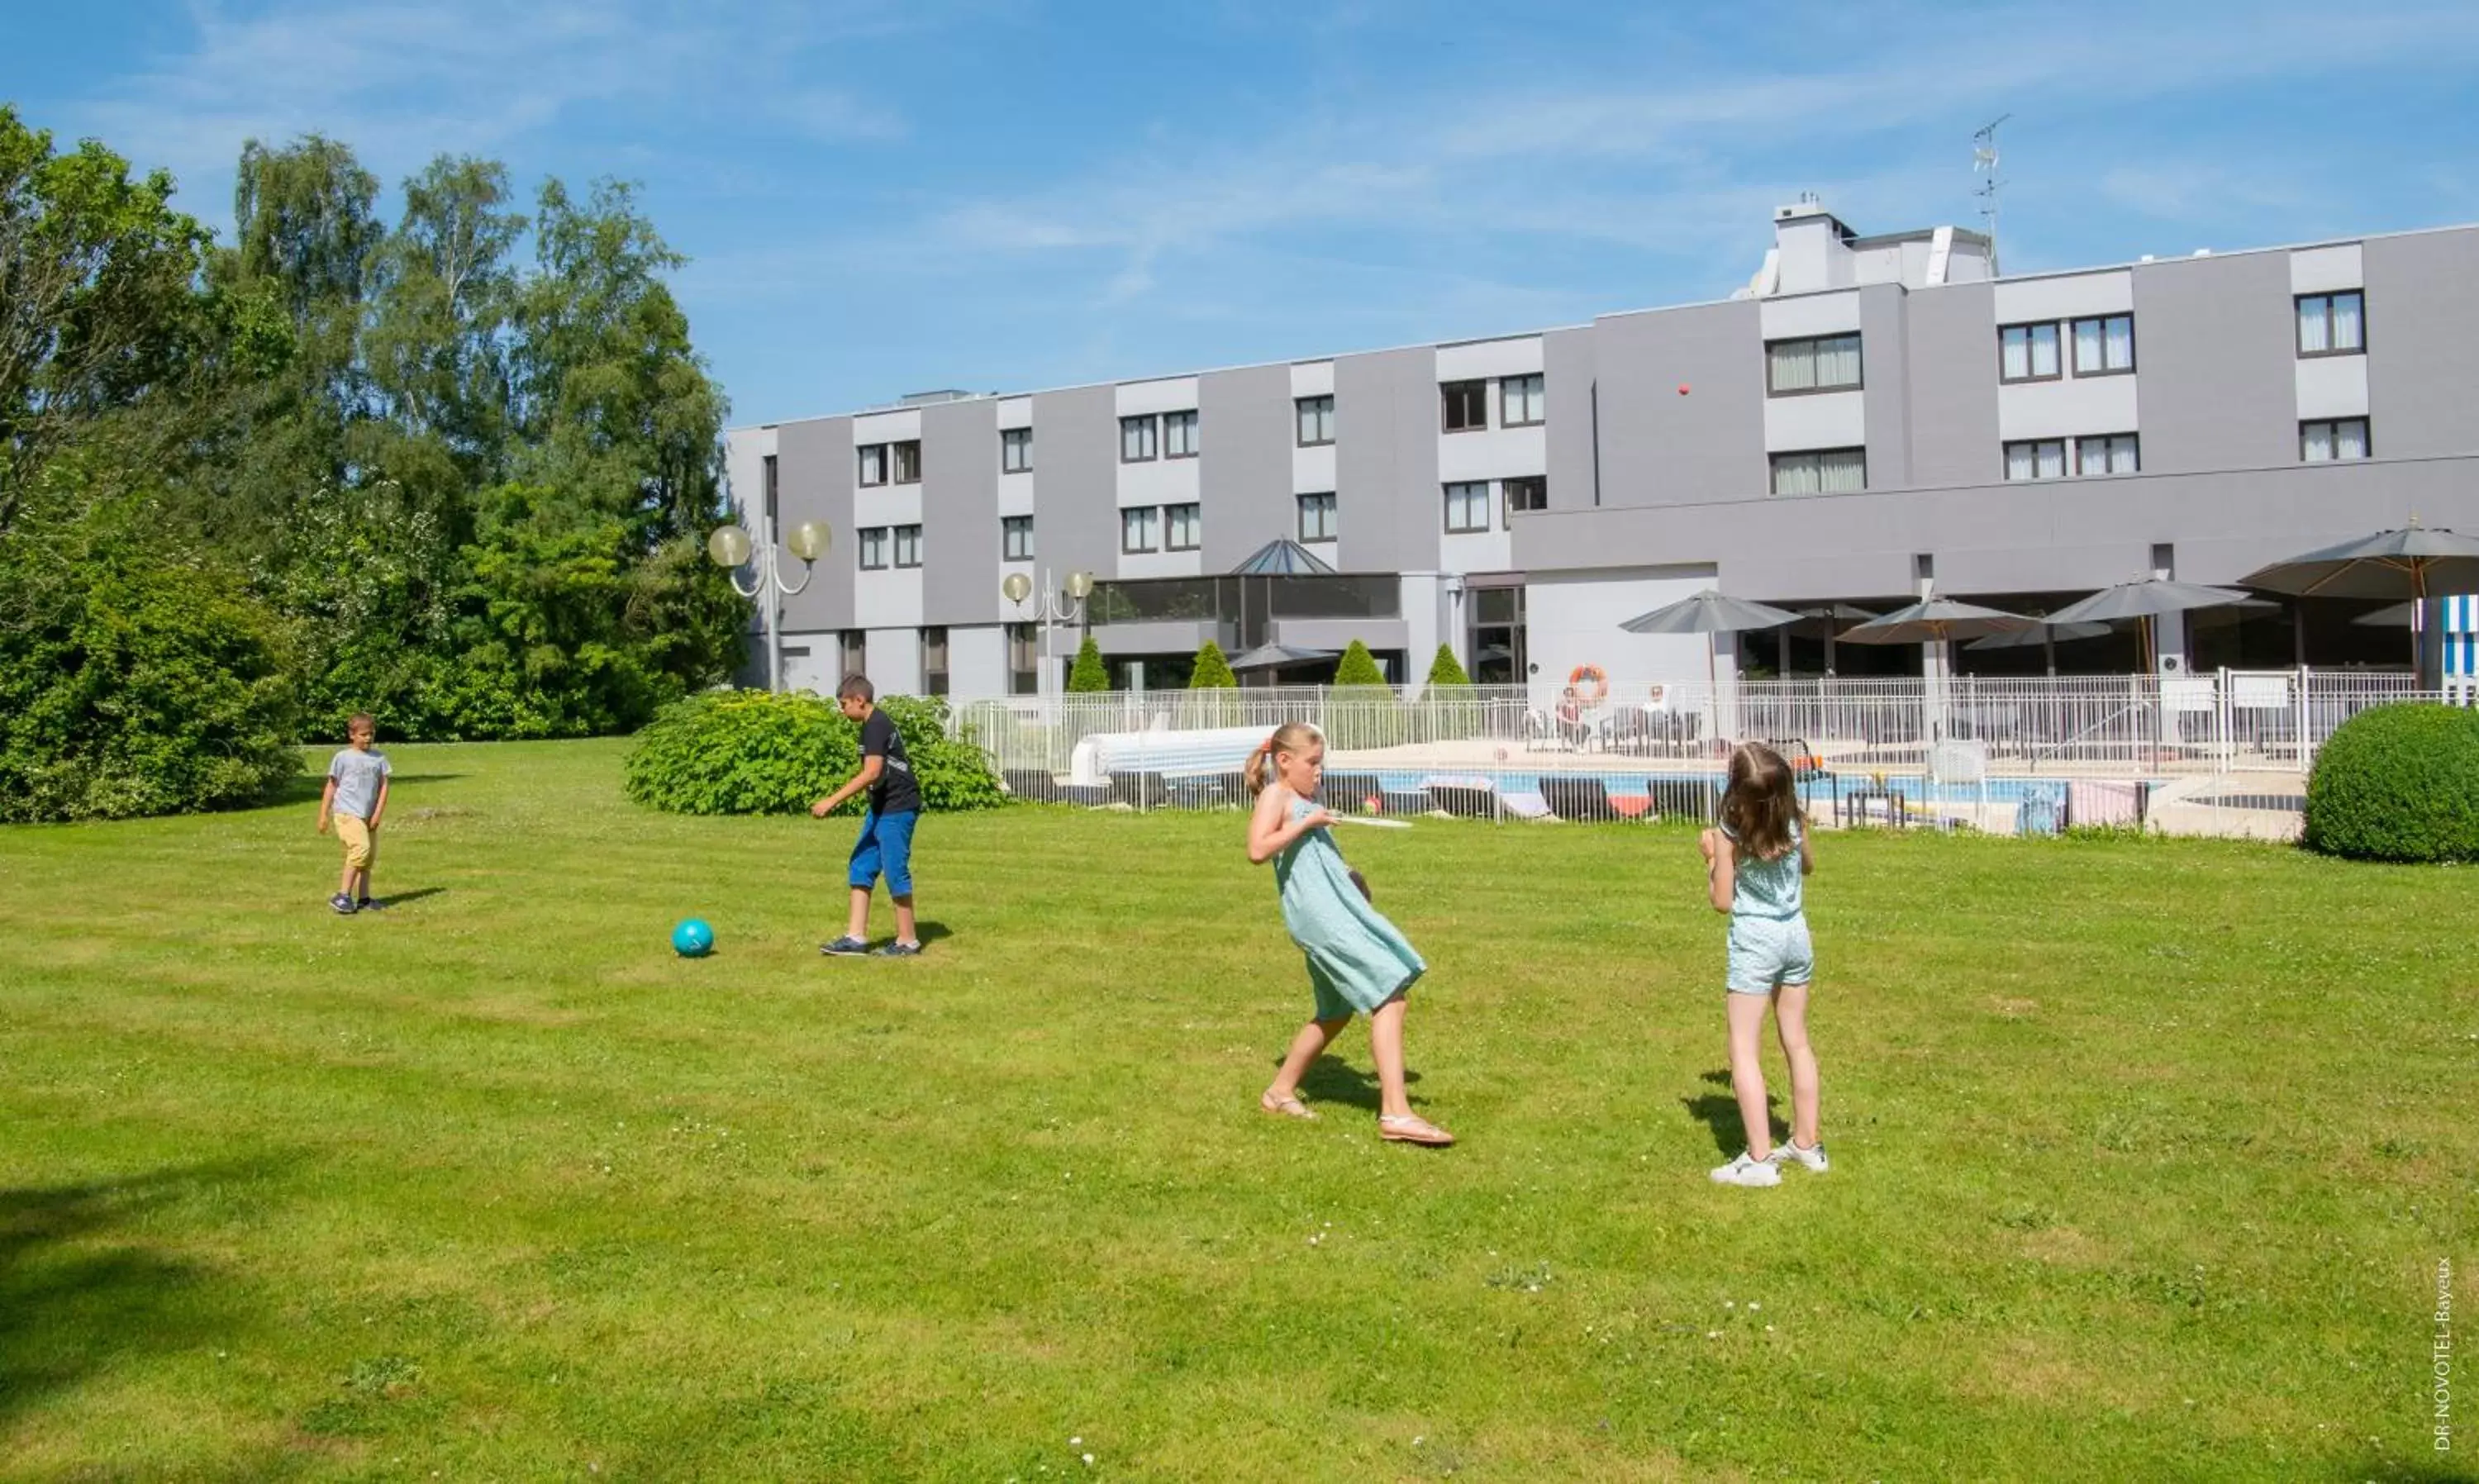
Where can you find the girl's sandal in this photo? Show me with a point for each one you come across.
(1413, 1129)
(1289, 1106)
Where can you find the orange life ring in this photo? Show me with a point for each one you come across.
(1591, 684)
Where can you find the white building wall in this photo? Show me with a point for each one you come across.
(1819, 420)
(2064, 296)
(977, 661)
(2327, 269)
(895, 661)
(2070, 407)
(1489, 359)
(1573, 619)
(1799, 317)
(889, 598)
(2333, 386)
(810, 659)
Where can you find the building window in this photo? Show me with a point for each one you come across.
(1137, 530)
(2339, 439)
(873, 548)
(1824, 472)
(905, 457)
(1467, 405)
(933, 662)
(1497, 637)
(907, 545)
(2028, 353)
(2110, 453)
(1023, 661)
(1316, 518)
(1016, 538)
(1183, 527)
(1829, 362)
(2333, 324)
(1178, 435)
(2041, 459)
(1015, 451)
(1468, 507)
(773, 507)
(1521, 495)
(873, 463)
(856, 651)
(1137, 440)
(2103, 346)
(1520, 401)
(1315, 420)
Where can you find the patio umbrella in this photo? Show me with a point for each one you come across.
(2144, 601)
(1275, 656)
(2398, 616)
(2417, 562)
(1934, 619)
(1709, 612)
(2046, 636)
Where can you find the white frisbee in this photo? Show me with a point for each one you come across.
(1372, 822)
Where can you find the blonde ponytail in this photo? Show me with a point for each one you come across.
(1288, 737)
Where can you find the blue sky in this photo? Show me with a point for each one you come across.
(1003, 195)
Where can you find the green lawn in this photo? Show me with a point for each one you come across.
(2145, 1157)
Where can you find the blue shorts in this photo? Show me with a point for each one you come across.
(885, 844)
(1770, 952)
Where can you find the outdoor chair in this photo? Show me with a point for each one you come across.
(1464, 801)
(1350, 793)
(1139, 790)
(1034, 786)
(1578, 799)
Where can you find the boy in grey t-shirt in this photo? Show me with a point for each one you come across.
(356, 796)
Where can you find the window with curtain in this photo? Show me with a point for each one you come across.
(873, 463)
(1183, 527)
(2103, 346)
(2331, 323)
(1178, 435)
(1015, 451)
(1315, 420)
(1828, 363)
(2042, 458)
(2109, 454)
(1467, 405)
(1467, 506)
(873, 548)
(933, 662)
(1316, 518)
(1016, 538)
(1136, 439)
(1521, 495)
(1825, 472)
(2028, 353)
(907, 545)
(1521, 401)
(2336, 440)
(905, 460)
(1137, 530)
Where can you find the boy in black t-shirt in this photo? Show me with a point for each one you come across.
(885, 843)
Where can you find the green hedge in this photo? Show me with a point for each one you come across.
(756, 753)
(2398, 782)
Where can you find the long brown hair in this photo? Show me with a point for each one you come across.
(1761, 803)
(1290, 737)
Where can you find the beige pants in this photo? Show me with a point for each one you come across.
(360, 845)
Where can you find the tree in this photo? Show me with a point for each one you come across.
(1089, 673)
(1358, 667)
(1446, 669)
(1212, 670)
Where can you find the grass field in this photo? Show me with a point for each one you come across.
(2146, 1156)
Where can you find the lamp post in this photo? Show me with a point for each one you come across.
(729, 548)
(1056, 608)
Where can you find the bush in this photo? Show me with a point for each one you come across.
(134, 684)
(759, 753)
(1448, 709)
(1362, 710)
(2398, 782)
(1089, 673)
(1446, 669)
(1212, 670)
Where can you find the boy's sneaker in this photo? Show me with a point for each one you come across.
(342, 903)
(1813, 1157)
(900, 949)
(370, 905)
(845, 947)
(1745, 1170)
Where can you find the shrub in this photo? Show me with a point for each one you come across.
(1089, 673)
(1358, 667)
(1212, 670)
(1446, 669)
(2398, 782)
(134, 684)
(760, 753)
(1448, 709)
(1362, 710)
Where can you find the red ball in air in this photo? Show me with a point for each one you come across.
(1682, 389)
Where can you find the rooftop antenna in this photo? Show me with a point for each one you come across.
(1983, 162)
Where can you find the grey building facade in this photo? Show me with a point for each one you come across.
(1867, 416)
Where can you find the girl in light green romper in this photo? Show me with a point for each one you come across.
(1357, 960)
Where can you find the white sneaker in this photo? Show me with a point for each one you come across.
(1813, 1158)
(1743, 1170)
